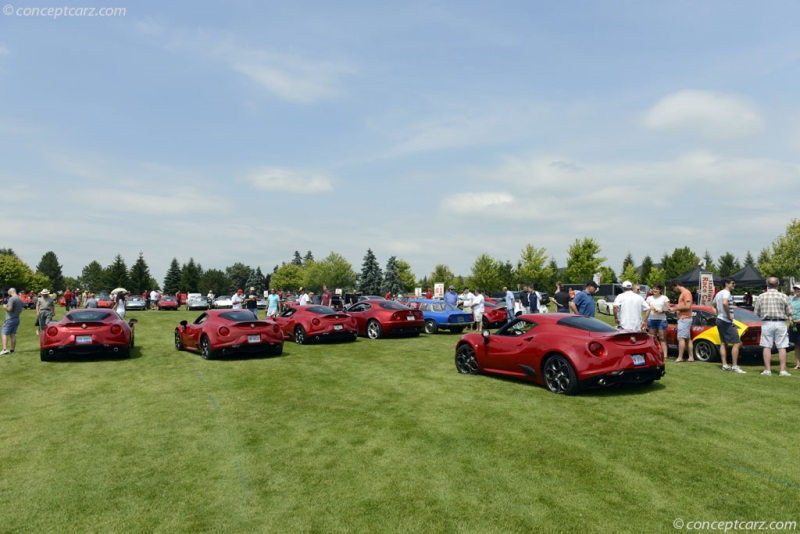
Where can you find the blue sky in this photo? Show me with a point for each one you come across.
(433, 131)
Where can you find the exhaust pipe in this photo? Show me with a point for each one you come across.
(116, 349)
(51, 352)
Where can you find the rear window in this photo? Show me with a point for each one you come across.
(238, 316)
(745, 316)
(81, 316)
(589, 324)
(322, 310)
(392, 305)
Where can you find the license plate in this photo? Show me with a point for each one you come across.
(460, 319)
(82, 340)
(254, 339)
(337, 327)
(638, 359)
(410, 317)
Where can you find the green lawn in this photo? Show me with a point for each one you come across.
(379, 436)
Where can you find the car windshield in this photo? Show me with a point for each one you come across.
(80, 316)
(745, 316)
(238, 316)
(517, 328)
(322, 310)
(167, 299)
(392, 305)
(136, 297)
(434, 306)
(590, 324)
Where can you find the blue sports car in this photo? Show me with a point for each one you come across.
(437, 316)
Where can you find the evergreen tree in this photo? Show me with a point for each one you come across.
(8, 252)
(50, 267)
(708, 262)
(255, 281)
(763, 261)
(215, 281)
(728, 264)
(308, 257)
(630, 274)
(116, 274)
(190, 277)
(749, 259)
(627, 261)
(92, 276)
(681, 262)
(172, 280)
(607, 275)
(140, 276)
(391, 278)
(297, 260)
(371, 277)
(646, 267)
(262, 282)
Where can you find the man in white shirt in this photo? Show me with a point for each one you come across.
(628, 308)
(303, 299)
(477, 309)
(236, 300)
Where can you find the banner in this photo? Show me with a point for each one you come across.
(418, 292)
(438, 290)
(596, 278)
(706, 291)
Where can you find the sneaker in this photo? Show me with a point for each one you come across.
(785, 373)
(766, 372)
(5, 352)
(726, 367)
(737, 369)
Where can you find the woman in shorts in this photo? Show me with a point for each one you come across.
(656, 316)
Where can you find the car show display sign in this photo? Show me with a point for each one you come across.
(418, 292)
(705, 294)
(438, 290)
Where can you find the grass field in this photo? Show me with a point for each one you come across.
(379, 436)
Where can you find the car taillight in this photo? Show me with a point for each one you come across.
(116, 329)
(597, 349)
(52, 331)
(224, 331)
(315, 321)
(395, 316)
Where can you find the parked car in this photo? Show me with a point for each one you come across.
(167, 302)
(705, 335)
(197, 302)
(223, 302)
(87, 332)
(376, 318)
(494, 315)
(563, 352)
(316, 323)
(226, 332)
(436, 316)
(104, 300)
(136, 303)
(606, 305)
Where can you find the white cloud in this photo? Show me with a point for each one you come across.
(290, 181)
(713, 115)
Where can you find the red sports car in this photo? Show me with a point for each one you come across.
(705, 336)
(104, 301)
(563, 352)
(375, 318)
(87, 332)
(494, 315)
(307, 323)
(225, 332)
(169, 303)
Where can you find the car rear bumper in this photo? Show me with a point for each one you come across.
(338, 335)
(405, 327)
(251, 348)
(84, 350)
(624, 376)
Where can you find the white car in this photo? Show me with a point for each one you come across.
(223, 301)
(606, 305)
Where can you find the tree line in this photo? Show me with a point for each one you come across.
(534, 266)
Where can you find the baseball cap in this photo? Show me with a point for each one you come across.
(591, 283)
(626, 284)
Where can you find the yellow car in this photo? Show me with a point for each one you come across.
(705, 335)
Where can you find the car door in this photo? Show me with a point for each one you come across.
(510, 348)
(359, 311)
(286, 320)
(193, 331)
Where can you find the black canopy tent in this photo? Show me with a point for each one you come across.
(692, 278)
(749, 276)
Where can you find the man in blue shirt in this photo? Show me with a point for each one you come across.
(509, 304)
(583, 303)
(451, 299)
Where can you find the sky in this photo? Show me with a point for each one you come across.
(432, 131)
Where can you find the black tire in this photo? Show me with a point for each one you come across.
(431, 327)
(300, 335)
(374, 330)
(466, 364)
(205, 349)
(132, 344)
(457, 329)
(178, 340)
(705, 351)
(484, 324)
(559, 375)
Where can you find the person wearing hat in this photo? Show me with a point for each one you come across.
(236, 300)
(45, 309)
(251, 302)
(794, 334)
(628, 308)
(583, 303)
(302, 299)
(451, 299)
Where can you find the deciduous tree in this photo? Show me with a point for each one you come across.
(583, 260)
(784, 257)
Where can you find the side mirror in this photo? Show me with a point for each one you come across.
(132, 322)
(183, 323)
(485, 335)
